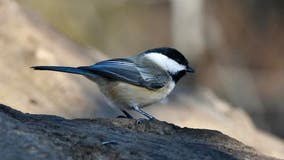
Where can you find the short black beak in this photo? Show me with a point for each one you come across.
(189, 69)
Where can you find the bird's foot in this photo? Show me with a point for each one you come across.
(126, 115)
(143, 120)
(122, 116)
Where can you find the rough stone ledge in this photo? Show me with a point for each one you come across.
(30, 136)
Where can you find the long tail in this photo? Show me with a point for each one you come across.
(73, 70)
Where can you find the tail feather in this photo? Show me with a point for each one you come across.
(64, 69)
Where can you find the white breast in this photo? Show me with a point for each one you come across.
(125, 95)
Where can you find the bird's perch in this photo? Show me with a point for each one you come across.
(30, 136)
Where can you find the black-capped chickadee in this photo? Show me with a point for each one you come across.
(136, 81)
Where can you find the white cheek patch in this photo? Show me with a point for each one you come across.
(165, 62)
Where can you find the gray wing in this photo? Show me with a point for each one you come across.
(127, 71)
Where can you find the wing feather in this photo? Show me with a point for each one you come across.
(127, 71)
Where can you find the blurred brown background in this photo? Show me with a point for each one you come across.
(235, 46)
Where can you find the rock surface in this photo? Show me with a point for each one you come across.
(31, 136)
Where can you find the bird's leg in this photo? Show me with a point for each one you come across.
(139, 110)
(127, 115)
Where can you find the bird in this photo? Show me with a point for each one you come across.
(136, 81)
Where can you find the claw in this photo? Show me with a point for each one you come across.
(143, 120)
(121, 116)
(126, 115)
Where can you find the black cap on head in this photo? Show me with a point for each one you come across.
(171, 53)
